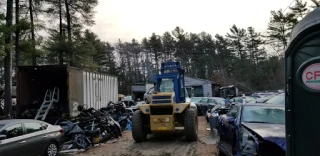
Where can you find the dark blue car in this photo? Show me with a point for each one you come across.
(252, 129)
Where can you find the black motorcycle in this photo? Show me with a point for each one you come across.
(74, 135)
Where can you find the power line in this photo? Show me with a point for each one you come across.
(288, 6)
(283, 12)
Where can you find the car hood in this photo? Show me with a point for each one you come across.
(133, 107)
(271, 132)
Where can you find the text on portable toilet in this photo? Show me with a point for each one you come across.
(311, 76)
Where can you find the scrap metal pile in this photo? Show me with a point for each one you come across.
(92, 127)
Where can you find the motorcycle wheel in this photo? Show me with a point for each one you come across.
(80, 141)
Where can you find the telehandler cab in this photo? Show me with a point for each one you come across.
(167, 110)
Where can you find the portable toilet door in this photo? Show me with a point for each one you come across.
(302, 59)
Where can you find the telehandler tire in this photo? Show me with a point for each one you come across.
(191, 124)
(139, 133)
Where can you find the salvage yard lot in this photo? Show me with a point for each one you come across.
(159, 145)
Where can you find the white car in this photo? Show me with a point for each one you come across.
(193, 105)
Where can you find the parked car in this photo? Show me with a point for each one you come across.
(239, 99)
(252, 129)
(215, 112)
(131, 105)
(263, 99)
(260, 95)
(148, 94)
(194, 100)
(207, 103)
(129, 102)
(19, 137)
(277, 100)
(129, 97)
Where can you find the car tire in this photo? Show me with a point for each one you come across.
(220, 153)
(52, 149)
(191, 124)
(139, 133)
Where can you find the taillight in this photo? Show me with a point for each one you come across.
(62, 131)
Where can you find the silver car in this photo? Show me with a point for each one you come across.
(20, 137)
(148, 94)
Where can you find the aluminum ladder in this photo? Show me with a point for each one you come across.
(48, 100)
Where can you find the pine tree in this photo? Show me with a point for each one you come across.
(237, 38)
(168, 45)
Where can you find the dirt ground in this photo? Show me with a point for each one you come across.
(159, 145)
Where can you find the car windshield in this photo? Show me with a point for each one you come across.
(195, 99)
(1, 126)
(204, 100)
(277, 100)
(261, 114)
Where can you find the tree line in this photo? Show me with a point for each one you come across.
(244, 57)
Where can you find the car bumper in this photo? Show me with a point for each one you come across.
(60, 142)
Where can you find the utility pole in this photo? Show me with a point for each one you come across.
(8, 60)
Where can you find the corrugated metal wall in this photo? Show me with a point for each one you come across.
(99, 89)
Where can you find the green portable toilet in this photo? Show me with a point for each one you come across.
(302, 58)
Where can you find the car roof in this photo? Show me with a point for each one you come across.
(14, 121)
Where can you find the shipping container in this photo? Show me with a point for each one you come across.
(76, 87)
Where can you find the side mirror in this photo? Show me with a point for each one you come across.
(2, 137)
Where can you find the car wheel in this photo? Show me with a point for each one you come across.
(52, 149)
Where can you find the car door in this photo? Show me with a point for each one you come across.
(36, 137)
(203, 105)
(14, 144)
(231, 127)
(228, 128)
(211, 103)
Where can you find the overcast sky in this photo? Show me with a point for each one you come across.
(127, 19)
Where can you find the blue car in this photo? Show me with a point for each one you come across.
(252, 129)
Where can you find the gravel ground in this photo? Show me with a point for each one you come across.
(159, 145)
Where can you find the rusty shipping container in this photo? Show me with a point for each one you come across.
(76, 87)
